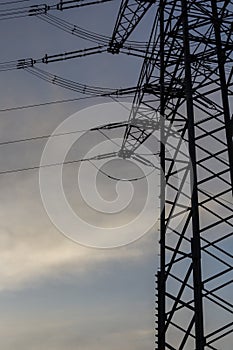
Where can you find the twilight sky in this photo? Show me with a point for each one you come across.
(54, 293)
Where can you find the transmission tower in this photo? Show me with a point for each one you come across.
(189, 82)
(185, 84)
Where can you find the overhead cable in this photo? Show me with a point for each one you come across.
(87, 34)
(35, 105)
(13, 2)
(78, 87)
(31, 62)
(39, 9)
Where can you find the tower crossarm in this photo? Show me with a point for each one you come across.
(130, 14)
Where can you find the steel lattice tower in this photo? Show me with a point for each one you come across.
(186, 76)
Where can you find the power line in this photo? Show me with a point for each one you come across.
(115, 178)
(66, 83)
(82, 33)
(28, 65)
(42, 137)
(19, 170)
(78, 87)
(17, 108)
(9, 109)
(39, 9)
(24, 63)
(73, 161)
(13, 2)
(41, 166)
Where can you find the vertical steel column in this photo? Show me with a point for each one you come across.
(224, 89)
(195, 241)
(162, 272)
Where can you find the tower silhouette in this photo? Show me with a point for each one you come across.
(184, 90)
(186, 77)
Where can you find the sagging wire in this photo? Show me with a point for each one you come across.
(86, 34)
(68, 84)
(19, 170)
(122, 179)
(78, 87)
(39, 9)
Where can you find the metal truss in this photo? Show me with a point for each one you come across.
(187, 87)
(130, 14)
